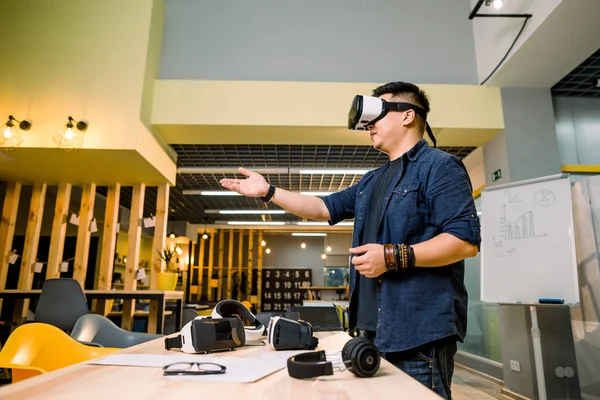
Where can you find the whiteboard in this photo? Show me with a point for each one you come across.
(528, 242)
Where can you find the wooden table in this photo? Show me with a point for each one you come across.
(86, 381)
(157, 299)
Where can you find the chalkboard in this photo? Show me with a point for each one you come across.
(281, 287)
(528, 242)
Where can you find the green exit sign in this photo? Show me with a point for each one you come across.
(496, 175)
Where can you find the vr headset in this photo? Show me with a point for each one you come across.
(230, 308)
(223, 330)
(287, 334)
(205, 335)
(359, 356)
(367, 110)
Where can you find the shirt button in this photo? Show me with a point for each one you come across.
(386, 198)
(405, 190)
(379, 310)
(472, 215)
(379, 281)
(360, 217)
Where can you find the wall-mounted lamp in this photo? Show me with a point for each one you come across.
(11, 134)
(268, 251)
(71, 135)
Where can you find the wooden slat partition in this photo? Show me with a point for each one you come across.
(200, 269)
(259, 271)
(211, 253)
(133, 252)
(30, 249)
(59, 230)
(7, 228)
(250, 256)
(160, 233)
(230, 264)
(240, 265)
(220, 265)
(82, 248)
(109, 242)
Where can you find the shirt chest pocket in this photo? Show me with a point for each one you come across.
(405, 200)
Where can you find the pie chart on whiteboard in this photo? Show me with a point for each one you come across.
(544, 198)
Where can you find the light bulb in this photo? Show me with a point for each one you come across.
(172, 235)
(323, 256)
(498, 4)
(205, 236)
(263, 243)
(303, 245)
(69, 134)
(328, 249)
(268, 251)
(8, 132)
(178, 250)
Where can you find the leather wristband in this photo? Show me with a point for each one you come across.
(389, 255)
(269, 194)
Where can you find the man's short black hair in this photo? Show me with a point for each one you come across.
(406, 92)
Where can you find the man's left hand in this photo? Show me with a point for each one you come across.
(370, 262)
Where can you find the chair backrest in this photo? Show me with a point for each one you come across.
(61, 303)
(98, 329)
(37, 348)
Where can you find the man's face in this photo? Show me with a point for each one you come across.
(388, 131)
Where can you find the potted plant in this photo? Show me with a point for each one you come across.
(167, 280)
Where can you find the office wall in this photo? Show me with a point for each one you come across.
(314, 40)
(577, 127)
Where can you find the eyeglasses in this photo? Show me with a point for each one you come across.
(187, 368)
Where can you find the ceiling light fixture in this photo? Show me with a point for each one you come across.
(323, 223)
(315, 193)
(268, 251)
(71, 136)
(273, 223)
(595, 83)
(264, 211)
(210, 192)
(309, 234)
(11, 135)
(333, 171)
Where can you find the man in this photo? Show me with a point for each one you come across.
(415, 223)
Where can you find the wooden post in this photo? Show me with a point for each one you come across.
(200, 269)
(211, 253)
(133, 251)
(250, 254)
(240, 265)
(59, 230)
(220, 265)
(229, 263)
(160, 233)
(82, 249)
(259, 271)
(32, 240)
(109, 242)
(7, 229)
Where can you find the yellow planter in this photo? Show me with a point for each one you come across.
(167, 281)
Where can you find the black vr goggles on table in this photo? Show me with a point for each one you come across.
(288, 334)
(367, 110)
(223, 330)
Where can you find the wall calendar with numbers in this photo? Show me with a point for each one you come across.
(281, 287)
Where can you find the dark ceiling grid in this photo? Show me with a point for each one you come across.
(577, 83)
(191, 207)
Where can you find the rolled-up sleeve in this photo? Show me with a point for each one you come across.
(341, 205)
(450, 195)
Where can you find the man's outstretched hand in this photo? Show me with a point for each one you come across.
(254, 185)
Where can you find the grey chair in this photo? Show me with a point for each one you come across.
(94, 329)
(61, 303)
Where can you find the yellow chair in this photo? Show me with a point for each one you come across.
(37, 348)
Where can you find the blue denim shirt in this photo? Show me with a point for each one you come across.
(432, 194)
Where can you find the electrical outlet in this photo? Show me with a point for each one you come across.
(515, 366)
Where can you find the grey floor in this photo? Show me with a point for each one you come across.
(467, 385)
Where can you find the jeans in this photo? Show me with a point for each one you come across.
(431, 364)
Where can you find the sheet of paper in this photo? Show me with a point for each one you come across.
(141, 273)
(93, 226)
(38, 267)
(242, 370)
(74, 219)
(13, 258)
(64, 266)
(149, 222)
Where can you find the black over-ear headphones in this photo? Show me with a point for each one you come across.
(359, 356)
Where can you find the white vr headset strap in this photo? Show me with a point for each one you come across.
(187, 343)
(252, 333)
